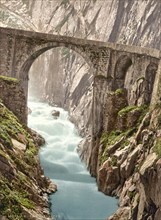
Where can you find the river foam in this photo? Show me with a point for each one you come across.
(77, 197)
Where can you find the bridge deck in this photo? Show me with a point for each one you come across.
(79, 41)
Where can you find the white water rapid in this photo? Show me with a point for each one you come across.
(77, 197)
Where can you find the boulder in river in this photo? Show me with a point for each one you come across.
(55, 114)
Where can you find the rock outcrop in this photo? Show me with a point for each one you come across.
(128, 160)
(55, 114)
(23, 187)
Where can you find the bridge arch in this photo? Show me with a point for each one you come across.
(122, 66)
(39, 50)
(150, 74)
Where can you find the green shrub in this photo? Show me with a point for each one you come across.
(126, 110)
(12, 200)
(120, 91)
(131, 108)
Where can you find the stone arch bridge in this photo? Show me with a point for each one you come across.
(115, 65)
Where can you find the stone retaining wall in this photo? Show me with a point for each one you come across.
(13, 97)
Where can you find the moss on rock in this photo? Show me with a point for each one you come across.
(132, 108)
(20, 170)
(9, 79)
(109, 139)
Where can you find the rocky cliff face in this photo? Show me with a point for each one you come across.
(23, 187)
(129, 159)
(63, 75)
(125, 154)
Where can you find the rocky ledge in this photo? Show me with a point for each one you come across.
(129, 155)
(23, 188)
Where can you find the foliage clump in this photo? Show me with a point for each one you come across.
(110, 139)
(11, 128)
(120, 91)
(16, 181)
(12, 200)
(130, 108)
(9, 79)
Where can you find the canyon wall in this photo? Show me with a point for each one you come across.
(69, 80)
(124, 156)
(23, 187)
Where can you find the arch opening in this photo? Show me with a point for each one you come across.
(62, 77)
(122, 70)
(40, 50)
(149, 81)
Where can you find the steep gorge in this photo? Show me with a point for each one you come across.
(123, 156)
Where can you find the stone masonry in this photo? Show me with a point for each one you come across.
(118, 66)
(12, 95)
